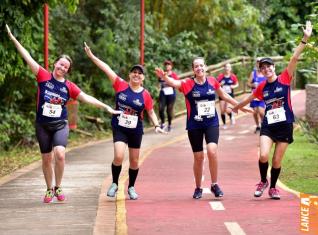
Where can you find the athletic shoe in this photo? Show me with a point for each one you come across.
(49, 195)
(261, 186)
(162, 126)
(216, 190)
(224, 126)
(232, 119)
(132, 193)
(169, 128)
(112, 190)
(274, 193)
(197, 193)
(59, 194)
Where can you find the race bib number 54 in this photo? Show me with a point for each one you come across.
(128, 121)
(52, 110)
(276, 115)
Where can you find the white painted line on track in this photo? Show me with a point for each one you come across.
(234, 228)
(244, 132)
(206, 191)
(217, 206)
(229, 137)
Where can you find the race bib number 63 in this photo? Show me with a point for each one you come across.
(276, 115)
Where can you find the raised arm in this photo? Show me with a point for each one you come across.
(93, 101)
(293, 60)
(100, 64)
(171, 82)
(24, 53)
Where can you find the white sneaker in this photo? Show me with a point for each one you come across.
(112, 190)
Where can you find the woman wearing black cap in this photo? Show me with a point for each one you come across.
(277, 125)
(167, 96)
(132, 99)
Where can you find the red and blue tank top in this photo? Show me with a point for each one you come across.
(277, 99)
(132, 104)
(52, 96)
(200, 102)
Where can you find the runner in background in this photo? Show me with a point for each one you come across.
(277, 125)
(132, 99)
(228, 81)
(255, 78)
(52, 130)
(202, 119)
(167, 96)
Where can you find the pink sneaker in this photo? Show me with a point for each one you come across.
(261, 186)
(49, 195)
(274, 193)
(59, 194)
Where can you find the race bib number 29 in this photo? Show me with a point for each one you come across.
(276, 115)
(128, 121)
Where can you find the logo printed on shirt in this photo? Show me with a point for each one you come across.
(210, 92)
(63, 89)
(196, 94)
(122, 96)
(49, 85)
(137, 102)
(278, 89)
(265, 94)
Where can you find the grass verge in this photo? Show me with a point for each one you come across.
(300, 165)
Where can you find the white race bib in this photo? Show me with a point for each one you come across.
(128, 121)
(206, 108)
(227, 89)
(168, 90)
(52, 110)
(276, 115)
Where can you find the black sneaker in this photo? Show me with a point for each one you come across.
(197, 193)
(216, 190)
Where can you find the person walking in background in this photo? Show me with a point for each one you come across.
(132, 99)
(228, 81)
(255, 78)
(277, 125)
(52, 130)
(202, 119)
(167, 96)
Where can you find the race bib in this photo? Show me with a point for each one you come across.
(276, 115)
(206, 108)
(52, 110)
(128, 121)
(167, 90)
(227, 89)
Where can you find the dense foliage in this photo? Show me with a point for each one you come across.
(178, 30)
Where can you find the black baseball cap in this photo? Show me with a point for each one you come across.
(266, 60)
(139, 67)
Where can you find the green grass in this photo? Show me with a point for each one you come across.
(300, 165)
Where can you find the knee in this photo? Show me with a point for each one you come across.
(264, 157)
(47, 159)
(60, 156)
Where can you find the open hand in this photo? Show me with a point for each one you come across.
(160, 73)
(9, 31)
(88, 50)
(112, 111)
(160, 130)
(308, 29)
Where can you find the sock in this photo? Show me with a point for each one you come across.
(230, 115)
(223, 118)
(263, 170)
(132, 176)
(274, 176)
(116, 172)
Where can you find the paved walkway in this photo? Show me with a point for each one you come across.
(165, 185)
